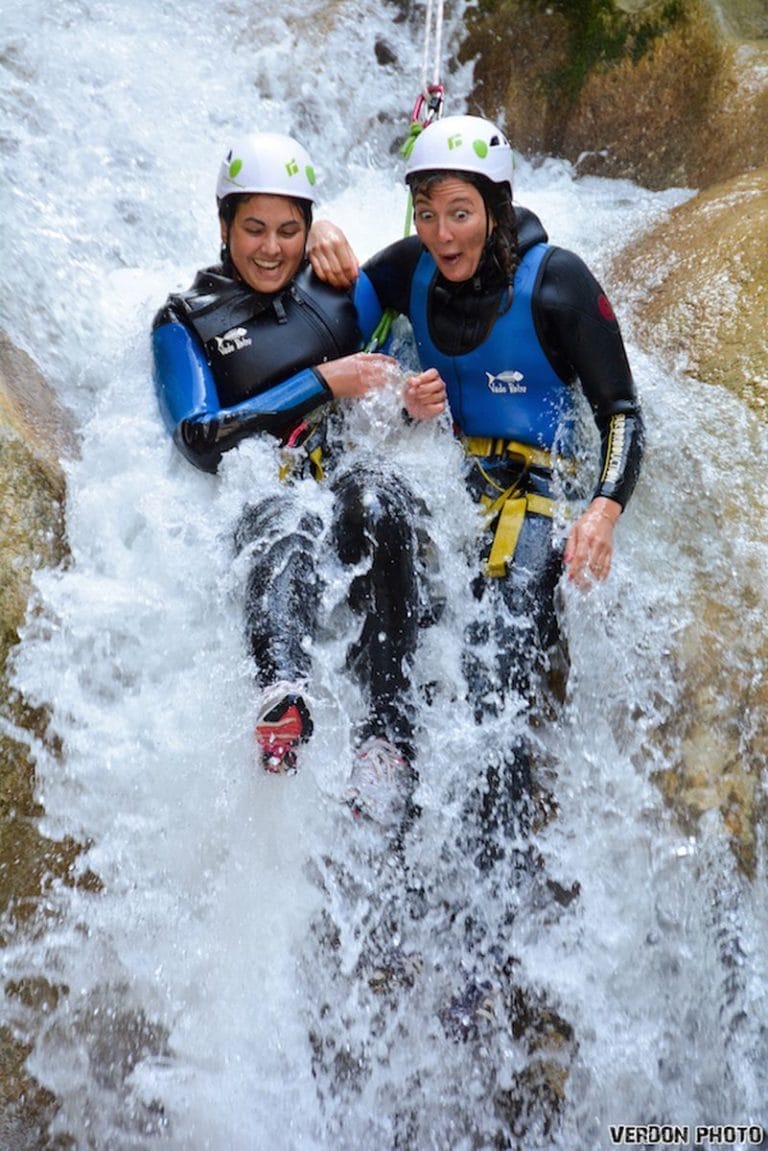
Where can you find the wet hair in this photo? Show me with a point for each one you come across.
(501, 244)
(228, 208)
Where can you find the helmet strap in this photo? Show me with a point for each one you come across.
(225, 257)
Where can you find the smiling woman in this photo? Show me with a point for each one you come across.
(266, 237)
(265, 192)
(260, 346)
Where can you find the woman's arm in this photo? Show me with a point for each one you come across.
(582, 339)
(331, 255)
(201, 428)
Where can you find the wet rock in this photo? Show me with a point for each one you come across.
(698, 285)
(34, 435)
(716, 742)
(385, 54)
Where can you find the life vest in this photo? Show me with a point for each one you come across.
(252, 342)
(506, 386)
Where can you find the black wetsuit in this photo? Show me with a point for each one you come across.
(230, 363)
(512, 372)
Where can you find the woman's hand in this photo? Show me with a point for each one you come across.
(358, 374)
(331, 256)
(589, 550)
(424, 395)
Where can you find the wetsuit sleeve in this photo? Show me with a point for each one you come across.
(582, 339)
(390, 273)
(369, 310)
(189, 403)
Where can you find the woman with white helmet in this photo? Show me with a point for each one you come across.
(519, 330)
(259, 345)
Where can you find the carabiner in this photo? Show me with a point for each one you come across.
(430, 99)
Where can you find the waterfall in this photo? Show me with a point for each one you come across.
(237, 964)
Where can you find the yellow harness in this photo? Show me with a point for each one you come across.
(512, 504)
(509, 507)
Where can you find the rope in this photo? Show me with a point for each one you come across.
(428, 107)
(381, 331)
(429, 102)
(434, 20)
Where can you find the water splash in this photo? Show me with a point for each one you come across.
(236, 963)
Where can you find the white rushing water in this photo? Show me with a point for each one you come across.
(222, 988)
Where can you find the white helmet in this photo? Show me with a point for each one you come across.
(267, 162)
(462, 144)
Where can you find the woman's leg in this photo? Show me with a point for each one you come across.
(374, 523)
(283, 588)
(281, 604)
(507, 662)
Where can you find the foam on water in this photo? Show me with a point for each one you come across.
(219, 981)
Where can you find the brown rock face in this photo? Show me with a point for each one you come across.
(662, 93)
(699, 287)
(33, 432)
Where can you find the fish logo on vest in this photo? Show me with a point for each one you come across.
(506, 383)
(232, 341)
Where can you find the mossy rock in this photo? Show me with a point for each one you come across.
(662, 93)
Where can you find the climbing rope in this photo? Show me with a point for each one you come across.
(427, 107)
(434, 30)
(429, 102)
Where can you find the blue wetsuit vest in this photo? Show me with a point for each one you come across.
(506, 386)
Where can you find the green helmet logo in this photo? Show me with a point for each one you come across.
(480, 149)
(292, 168)
(234, 169)
(454, 141)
